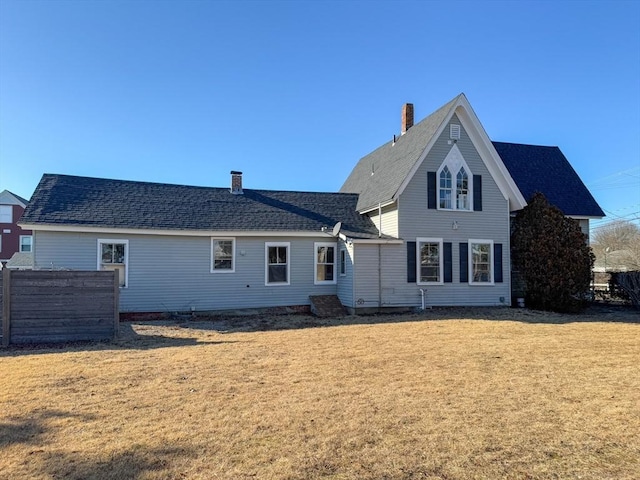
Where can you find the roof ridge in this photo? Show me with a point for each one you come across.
(144, 182)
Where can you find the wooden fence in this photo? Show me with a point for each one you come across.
(39, 306)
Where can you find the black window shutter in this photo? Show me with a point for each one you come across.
(497, 262)
(432, 190)
(464, 263)
(477, 193)
(411, 262)
(448, 262)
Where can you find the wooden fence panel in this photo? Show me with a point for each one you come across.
(59, 306)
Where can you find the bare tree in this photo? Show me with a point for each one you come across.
(616, 246)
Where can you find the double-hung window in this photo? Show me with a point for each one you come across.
(277, 263)
(430, 260)
(26, 243)
(114, 255)
(343, 262)
(222, 255)
(481, 264)
(325, 263)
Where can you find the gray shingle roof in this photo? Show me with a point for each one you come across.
(542, 169)
(391, 163)
(96, 202)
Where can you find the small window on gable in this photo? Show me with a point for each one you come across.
(222, 255)
(114, 255)
(458, 195)
(454, 131)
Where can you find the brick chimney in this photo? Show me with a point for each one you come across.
(407, 117)
(236, 182)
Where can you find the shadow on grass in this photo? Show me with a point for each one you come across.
(138, 461)
(127, 339)
(29, 430)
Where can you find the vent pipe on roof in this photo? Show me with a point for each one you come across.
(236, 182)
(407, 117)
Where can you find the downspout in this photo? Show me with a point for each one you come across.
(379, 257)
(379, 276)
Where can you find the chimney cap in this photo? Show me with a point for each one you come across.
(235, 172)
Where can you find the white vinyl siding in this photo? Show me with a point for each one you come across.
(453, 226)
(173, 274)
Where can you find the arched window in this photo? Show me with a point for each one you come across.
(460, 198)
(445, 188)
(462, 190)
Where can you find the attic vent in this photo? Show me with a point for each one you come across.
(454, 131)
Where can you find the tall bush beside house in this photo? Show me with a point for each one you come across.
(552, 254)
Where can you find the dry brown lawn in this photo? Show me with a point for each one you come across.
(449, 394)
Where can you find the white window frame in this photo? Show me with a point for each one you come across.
(419, 242)
(317, 245)
(233, 255)
(470, 261)
(6, 211)
(266, 263)
(454, 161)
(343, 262)
(119, 241)
(30, 243)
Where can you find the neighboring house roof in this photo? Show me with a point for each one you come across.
(71, 201)
(21, 260)
(10, 198)
(381, 176)
(546, 170)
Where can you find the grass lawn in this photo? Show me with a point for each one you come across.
(449, 394)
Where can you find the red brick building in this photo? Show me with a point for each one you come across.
(12, 238)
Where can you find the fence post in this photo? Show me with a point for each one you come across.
(6, 306)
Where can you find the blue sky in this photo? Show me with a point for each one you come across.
(293, 93)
